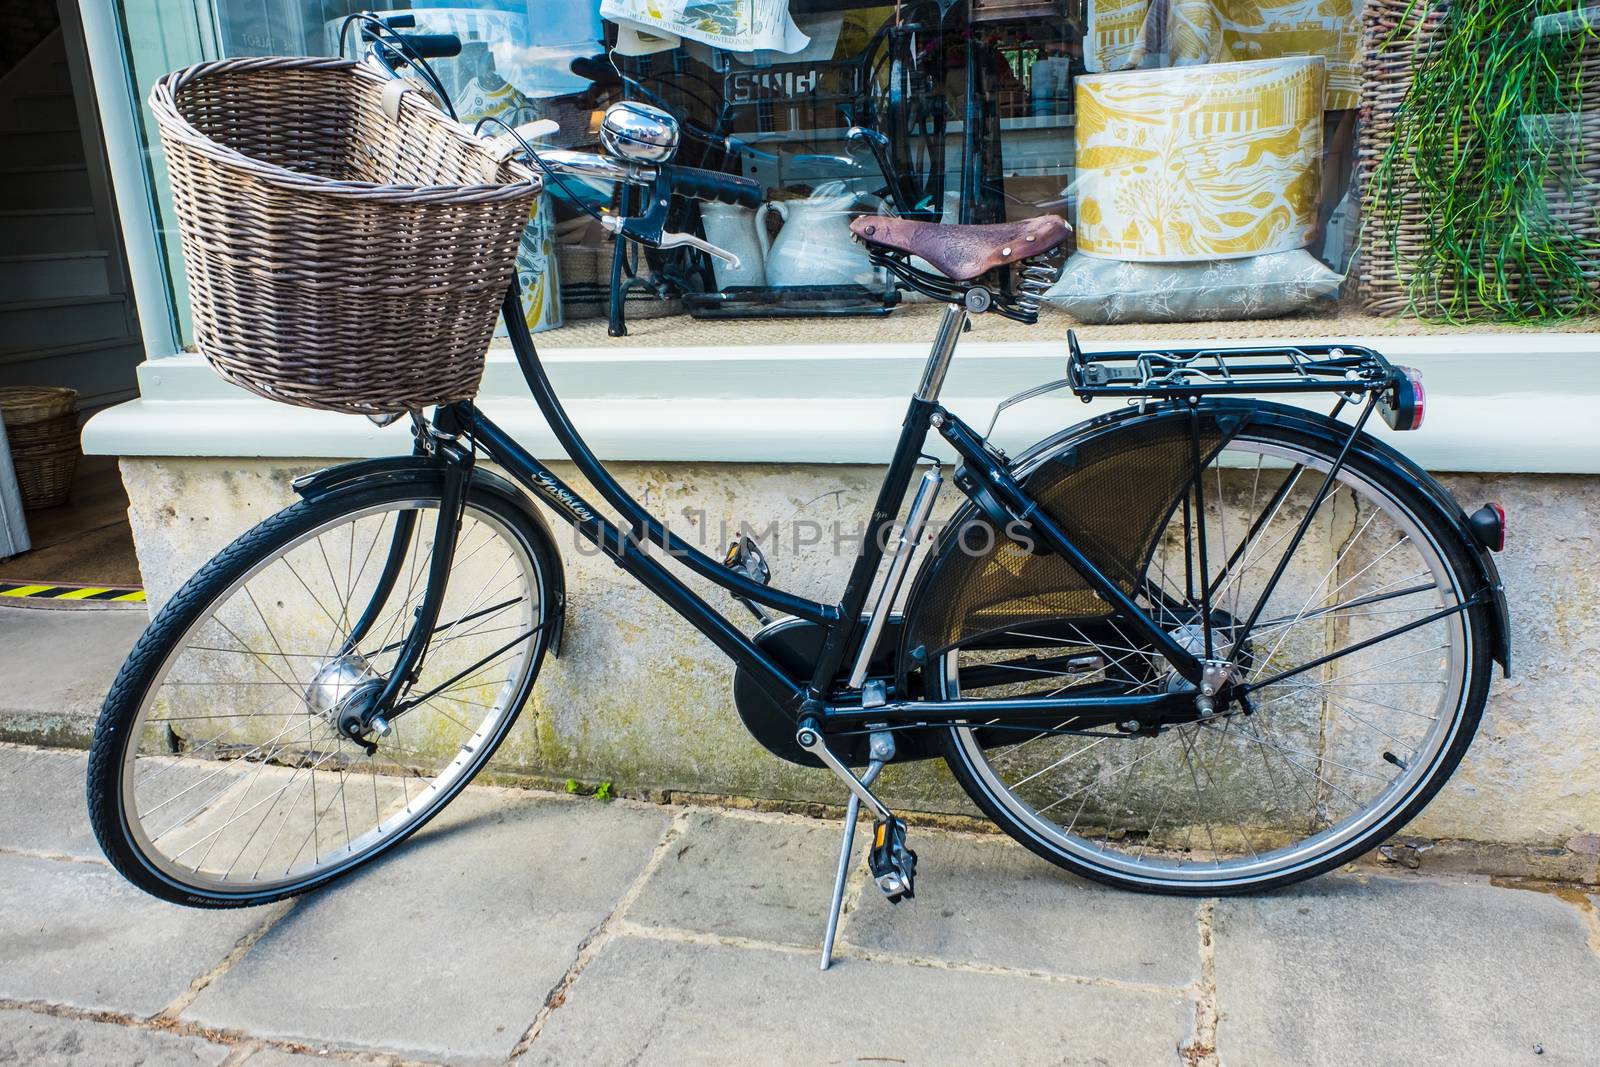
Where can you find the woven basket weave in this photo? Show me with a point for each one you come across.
(42, 433)
(336, 258)
(1397, 35)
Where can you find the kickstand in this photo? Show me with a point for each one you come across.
(851, 811)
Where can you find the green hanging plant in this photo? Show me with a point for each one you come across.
(1488, 142)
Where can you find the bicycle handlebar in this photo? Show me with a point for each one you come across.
(432, 45)
(714, 185)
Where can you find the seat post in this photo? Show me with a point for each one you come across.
(944, 346)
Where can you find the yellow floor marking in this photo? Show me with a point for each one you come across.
(79, 594)
(26, 590)
(137, 594)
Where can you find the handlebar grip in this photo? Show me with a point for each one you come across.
(432, 45)
(714, 185)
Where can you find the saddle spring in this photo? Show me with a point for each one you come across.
(1038, 273)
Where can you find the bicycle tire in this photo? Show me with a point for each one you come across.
(962, 753)
(162, 642)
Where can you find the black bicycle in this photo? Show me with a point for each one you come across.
(1208, 644)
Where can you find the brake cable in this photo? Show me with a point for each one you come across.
(390, 37)
(535, 157)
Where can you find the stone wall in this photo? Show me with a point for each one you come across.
(640, 699)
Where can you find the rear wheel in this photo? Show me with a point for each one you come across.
(218, 775)
(1360, 709)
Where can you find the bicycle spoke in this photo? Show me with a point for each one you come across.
(273, 790)
(1356, 600)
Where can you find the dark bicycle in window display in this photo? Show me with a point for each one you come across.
(1210, 643)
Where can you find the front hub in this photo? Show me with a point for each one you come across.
(344, 691)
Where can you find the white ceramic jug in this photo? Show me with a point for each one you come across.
(742, 231)
(815, 246)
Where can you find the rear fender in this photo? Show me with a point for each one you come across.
(1232, 415)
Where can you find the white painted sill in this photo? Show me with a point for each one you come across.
(1496, 402)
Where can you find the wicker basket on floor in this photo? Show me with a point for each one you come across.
(1396, 35)
(42, 433)
(347, 245)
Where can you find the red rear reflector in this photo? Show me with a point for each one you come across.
(1420, 405)
(1405, 405)
(1489, 526)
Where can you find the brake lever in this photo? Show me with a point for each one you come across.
(665, 239)
(673, 240)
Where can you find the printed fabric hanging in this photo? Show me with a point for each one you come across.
(646, 26)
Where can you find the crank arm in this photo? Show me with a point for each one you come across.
(809, 737)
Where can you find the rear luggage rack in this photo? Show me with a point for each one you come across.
(1353, 372)
(1184, 372)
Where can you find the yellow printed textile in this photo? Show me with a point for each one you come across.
(1267, 29)
(487, 95)
(1214, 31)
(1210, 162)
(536, 270)
(1116, 34)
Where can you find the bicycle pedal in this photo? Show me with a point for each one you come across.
(745, 557)
(893, 865)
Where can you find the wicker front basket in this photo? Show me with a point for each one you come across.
(337, 258)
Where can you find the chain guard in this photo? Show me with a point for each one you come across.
(795, 644)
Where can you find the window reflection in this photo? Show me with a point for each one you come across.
(1205, 151)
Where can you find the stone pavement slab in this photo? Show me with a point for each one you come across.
(41, 794)
(447, 949)
(648, 1002)
(31, 1038)
(266, 1056)
(1415, 971)
(737, 877)
(62, 662)
(994, 902)
(76, 933)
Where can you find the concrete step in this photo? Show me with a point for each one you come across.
(45, 185)
(31, 324)
(43, 109)
(30, 231)
(50, 275)
(55, 144)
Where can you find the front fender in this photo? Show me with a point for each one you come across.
(331, 480)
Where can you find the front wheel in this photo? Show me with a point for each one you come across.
(1359, 707)
(218, 775)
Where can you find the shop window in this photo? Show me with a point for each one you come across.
(1207, 152)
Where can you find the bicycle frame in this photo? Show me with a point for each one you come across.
(821, 695)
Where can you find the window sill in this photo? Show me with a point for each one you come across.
(1523, 402)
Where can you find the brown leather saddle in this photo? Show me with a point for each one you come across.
(963, 252)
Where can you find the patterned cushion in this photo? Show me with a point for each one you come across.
(1260, 287)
